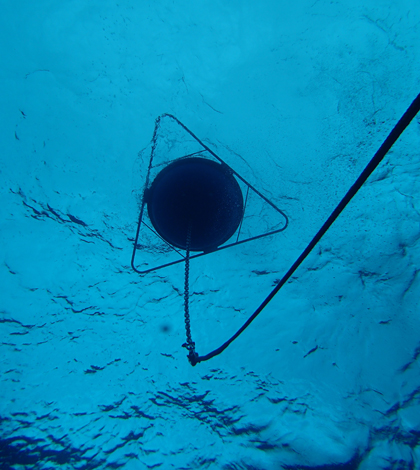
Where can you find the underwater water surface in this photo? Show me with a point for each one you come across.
(296, 97)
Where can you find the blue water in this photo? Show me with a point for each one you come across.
(295, 97)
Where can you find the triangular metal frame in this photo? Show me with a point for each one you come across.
(144, 202)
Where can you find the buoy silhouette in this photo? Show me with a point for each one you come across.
(198, 193)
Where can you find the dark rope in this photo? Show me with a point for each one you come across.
(408, 116)
(190, 345)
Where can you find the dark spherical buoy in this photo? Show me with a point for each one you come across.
(199, 192)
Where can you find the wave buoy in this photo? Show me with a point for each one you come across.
(195, 192)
